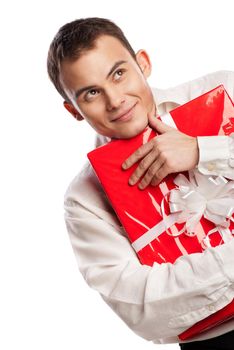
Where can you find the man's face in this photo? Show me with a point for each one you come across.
(108, 88)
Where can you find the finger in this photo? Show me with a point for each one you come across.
(141, 152)
(158, 125)
(143, 166)
(152, 171)
(161, 174)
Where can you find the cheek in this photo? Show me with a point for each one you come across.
(135, 83)
(140, 87)
(146, 94)
(93, 113)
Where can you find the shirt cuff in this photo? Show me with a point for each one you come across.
(212, 148)
(216, 155)
(231, 149)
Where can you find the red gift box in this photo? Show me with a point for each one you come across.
(186, 212)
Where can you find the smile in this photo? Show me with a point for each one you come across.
(125, 116)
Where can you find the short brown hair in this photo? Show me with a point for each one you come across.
(76, 37)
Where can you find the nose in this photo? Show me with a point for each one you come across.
(114, 99)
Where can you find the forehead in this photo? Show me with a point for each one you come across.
(94, 64)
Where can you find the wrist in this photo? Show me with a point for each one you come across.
(195, 151)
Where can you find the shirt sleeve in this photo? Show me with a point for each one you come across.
(216, 155)
(155, 302)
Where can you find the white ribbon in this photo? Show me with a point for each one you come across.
(202, 195)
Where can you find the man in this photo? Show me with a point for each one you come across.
(104, 82)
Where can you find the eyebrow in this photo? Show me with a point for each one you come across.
(90, 87)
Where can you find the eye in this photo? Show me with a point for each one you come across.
(118, 74)
(91, 94)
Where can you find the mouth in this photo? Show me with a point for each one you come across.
(124, 116)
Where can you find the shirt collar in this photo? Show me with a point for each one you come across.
(171, 95)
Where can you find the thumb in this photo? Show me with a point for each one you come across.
(158, 125)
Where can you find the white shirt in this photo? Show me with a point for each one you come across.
(161, 301)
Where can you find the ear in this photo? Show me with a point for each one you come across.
(71, 109)
(144, 63)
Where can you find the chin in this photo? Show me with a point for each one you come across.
(130, 132)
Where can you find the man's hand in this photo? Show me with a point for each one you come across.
(170, 152)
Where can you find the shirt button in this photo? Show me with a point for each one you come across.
(210, 166)
(211, 307)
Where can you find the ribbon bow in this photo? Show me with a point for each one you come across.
(202, 195)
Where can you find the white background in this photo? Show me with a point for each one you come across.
(45, 303)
